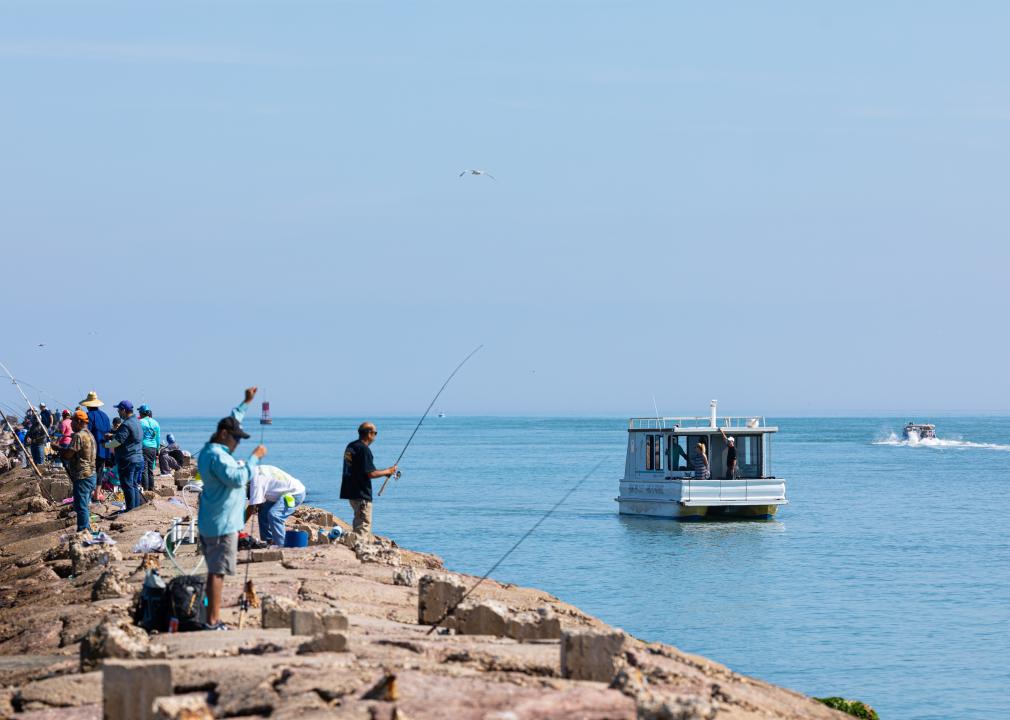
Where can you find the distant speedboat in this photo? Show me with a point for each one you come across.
(920, 431)
(441, 414)
(664, 478)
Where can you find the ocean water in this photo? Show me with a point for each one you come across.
(886, 578)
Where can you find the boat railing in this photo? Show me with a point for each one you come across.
(669, 423)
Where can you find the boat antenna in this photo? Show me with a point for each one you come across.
(518, 542)
(430, 405)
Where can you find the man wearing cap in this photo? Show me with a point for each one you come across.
(98, 424)
(730, 454)
(152, 441)
(47, 417)
(129, 453)
(222, 503)
(80, 459)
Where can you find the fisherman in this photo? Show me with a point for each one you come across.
(98, 425)
(80, 459)
(221, 503)
(47, 417)
(359, 470)
(152, 441)
(274, 495)
(129, 453)
(36, 437)
(730, 455)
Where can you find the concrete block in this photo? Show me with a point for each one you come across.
(275, 555)
(488, 617)
(541, 625)
(591, 654)
(324, 642)
(276, 612)
(183, 707)
(129, 688)
(316, 622)
(436, 594)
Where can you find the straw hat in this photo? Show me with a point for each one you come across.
(92, 400)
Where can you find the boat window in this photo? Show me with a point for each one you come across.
(653, 452)
(676, 452)
(748, 449)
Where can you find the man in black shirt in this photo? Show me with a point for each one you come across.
(730, 455)
(359, 469)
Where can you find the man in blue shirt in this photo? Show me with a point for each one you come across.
(129, 451)
(98, 424)
(152, 441)
(222, 503)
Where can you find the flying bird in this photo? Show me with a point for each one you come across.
(478, 172)
(41, 345)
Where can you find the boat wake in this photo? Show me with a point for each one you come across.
(895, 440)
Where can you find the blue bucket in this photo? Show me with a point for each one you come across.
(296, 538)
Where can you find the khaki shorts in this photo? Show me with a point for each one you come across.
(221, 553)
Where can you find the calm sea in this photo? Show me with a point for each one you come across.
(886, 578)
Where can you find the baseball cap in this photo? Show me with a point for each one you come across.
(81, 415)
(232, 426)
(144, 408)
(124, 405)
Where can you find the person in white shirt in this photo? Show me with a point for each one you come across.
(273, 495)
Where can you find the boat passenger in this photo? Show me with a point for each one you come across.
(730, 455)
(699, 461)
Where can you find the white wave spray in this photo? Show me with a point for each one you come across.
(914, 441)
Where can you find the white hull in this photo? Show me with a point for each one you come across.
(688, 498)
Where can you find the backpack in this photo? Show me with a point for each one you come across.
(187, 601)
(151, 611)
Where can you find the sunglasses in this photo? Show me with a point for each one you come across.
(373, 432)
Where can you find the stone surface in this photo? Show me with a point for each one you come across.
(405, 576)
(324, 642)
(85, 557)
(107, 586)
(591, 654)
(275, 612)
(541, 625)
(60, 691)
(130, 688)
(116, 638)
(436, 594)
(315, 622)
(182, 707)
(488, 617)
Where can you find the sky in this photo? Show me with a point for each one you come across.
(796, 208)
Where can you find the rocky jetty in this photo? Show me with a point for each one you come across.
(338, 633)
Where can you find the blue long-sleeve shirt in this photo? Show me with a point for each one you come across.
(152, 432)
(130, 438)
(223, 500)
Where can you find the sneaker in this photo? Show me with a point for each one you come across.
(216, 626)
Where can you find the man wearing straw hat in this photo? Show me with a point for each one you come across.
(98, 425)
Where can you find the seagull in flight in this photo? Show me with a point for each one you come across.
(478, 172)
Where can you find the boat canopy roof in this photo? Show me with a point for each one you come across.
(701, 425)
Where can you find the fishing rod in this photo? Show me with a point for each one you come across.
(31, 407)
(573, 488)
(430, 406)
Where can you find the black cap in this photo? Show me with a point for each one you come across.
(231, 426)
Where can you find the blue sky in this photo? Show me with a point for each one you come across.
(796, 209)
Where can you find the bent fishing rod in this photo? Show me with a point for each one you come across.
(430, 406)
(559, 503)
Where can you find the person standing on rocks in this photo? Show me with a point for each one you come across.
(129, 453)
(98, 424)
(152, 441)
(80, 459)
(359, 470)
(36, 437)
(222, 503)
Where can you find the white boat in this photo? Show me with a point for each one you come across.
(663, 478)
(920, 431)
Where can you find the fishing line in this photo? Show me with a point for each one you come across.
(430, 406)
(519, 542)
